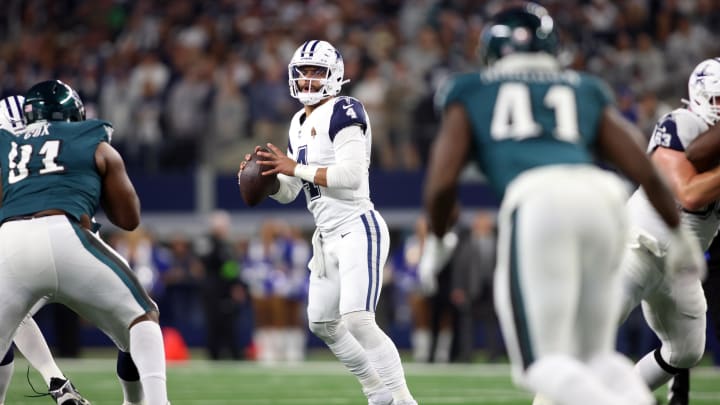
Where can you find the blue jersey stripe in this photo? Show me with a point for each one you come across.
(377, 259)
(368, 234)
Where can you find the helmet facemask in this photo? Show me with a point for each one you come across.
(321, 55)
(704, 91)
(317, 84)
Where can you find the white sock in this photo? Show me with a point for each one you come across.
(618, 374)
(421, 345)
(386, 360)
(277, 344)
(353, 356)
(651, 372)
(148, 353)
(565, 381)
(6, 372)
(31, 343)
(294, 345)
(442, 348)
(132, 391)
(263, 340)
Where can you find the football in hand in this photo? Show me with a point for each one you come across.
(254, 187)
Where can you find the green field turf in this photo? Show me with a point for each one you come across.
(309, 383)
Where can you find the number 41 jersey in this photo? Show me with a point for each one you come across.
(51, 165)
(525, 112)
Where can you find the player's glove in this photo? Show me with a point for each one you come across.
(436, 254)
(684, 254)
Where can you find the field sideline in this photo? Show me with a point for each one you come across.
(309, 383)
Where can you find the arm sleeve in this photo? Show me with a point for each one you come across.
(350, 158)
(289, 189)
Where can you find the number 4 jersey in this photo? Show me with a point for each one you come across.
(526, 113)
(313, 140)
(675, 131)
(51, 165)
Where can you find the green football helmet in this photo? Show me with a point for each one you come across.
(52, 100)
(526, 27)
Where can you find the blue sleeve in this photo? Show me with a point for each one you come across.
(347, 111)
(665, 134)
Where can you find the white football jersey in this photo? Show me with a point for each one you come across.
(675, 130)
(11, 116)
(311, 142)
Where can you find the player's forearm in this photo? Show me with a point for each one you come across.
(701, 190)
(704, 151)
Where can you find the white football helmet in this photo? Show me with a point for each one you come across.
(321, 54)
(11, 116)
(703, 88)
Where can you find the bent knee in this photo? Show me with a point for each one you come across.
(329, 331)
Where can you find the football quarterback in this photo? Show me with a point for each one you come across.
(328, 157)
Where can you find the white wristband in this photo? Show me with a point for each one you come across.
(305, 172)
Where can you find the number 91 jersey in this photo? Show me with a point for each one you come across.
(525, 112)
(51, 165)
(312, 141)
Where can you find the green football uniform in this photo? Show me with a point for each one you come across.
(523, 120)
(51, 165)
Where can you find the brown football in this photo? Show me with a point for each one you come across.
(254, 187)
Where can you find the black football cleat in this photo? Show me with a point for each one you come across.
(679, 390)
(64, 393)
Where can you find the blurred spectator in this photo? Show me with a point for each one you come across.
(183, 280)
(484, 241)
(164, 70)
(223, 293)
(651, 71)
(188, 110)
(372, 92)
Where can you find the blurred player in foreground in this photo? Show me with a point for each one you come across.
(328, 156)
(535, 129)
(56, 172)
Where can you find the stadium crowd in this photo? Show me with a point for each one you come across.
(190, 81)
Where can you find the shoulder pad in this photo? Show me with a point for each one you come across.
(347, 111)
(102, 128)
(665, 134)
(452, 91)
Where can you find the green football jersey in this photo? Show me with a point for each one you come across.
(521, 120)
(51, 165)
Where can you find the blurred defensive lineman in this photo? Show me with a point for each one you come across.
(56, 172)
(328, 156)
(28, 338)
(534, 129)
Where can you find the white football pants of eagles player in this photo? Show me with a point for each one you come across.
(50, 258)
(561, 237)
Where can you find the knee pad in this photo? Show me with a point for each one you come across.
(362, 326)
(330, 332)
(688, 356)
